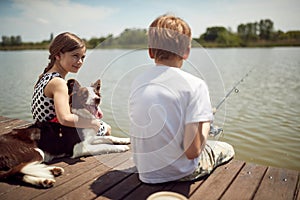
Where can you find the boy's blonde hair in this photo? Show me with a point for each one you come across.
(169, 36)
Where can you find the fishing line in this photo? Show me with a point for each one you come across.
(214, 131)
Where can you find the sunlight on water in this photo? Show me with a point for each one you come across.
(261, 121)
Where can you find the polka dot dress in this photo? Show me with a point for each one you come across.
(42, 107)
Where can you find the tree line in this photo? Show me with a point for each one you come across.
(260, 33)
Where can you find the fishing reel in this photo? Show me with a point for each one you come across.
(215, 131)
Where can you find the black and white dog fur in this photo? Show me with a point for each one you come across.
(23, 151)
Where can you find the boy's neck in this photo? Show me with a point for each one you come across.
(170, 62)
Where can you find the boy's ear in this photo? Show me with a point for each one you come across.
(150, 53)
(186, 53)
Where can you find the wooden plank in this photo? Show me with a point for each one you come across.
(71, 171)
(2, 118)
(7, 125)
(246, 183)
(96, 177)
(278, 184)
(123, 188)
(297, 195)
(8, 186)
(216, 184)
(298, 189)
(145, 190)
(102, 181)
(187, 188)
(128, 185)
(80, 181)
(141, 190)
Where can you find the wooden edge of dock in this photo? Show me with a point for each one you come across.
(99, 177)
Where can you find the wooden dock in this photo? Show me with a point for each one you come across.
(88, 178)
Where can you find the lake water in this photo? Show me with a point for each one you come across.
(261, 121)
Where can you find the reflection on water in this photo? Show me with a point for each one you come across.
(261, 121)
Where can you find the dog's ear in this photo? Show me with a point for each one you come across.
(73, 86)
(79, 99)
(97, 85)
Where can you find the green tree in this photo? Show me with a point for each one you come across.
(11, 41)
(51, 37)
(131, 37)
(18, 40)
(108, 42)
(6, 41)
(227, 38)
(94, 42)
(212, 33)
(248, 32)
(219, 35)
(293, 35)
(265, 29)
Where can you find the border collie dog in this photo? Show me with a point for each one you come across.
(23, 151)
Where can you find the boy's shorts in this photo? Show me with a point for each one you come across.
(214, 154)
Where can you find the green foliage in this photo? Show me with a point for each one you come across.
(293, 35)
(94, 42)
(11, 41)
(129, 38)
(219, 36)
(132, 37)
(250, 34)
(212, 33)
(265, 29)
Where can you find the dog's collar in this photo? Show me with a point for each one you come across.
(102, 130)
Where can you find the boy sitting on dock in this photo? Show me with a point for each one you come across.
(170, 112)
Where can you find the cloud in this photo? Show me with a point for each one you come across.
(231, 13)
(36, 19)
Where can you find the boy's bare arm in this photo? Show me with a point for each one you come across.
(195, 136)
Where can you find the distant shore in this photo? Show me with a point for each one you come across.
(281, 43)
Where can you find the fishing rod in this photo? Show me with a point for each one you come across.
(214, 131)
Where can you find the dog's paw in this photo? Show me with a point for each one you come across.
(57, 171)
(123, 148)
(125, 141)
(118, 140)
(46, 182)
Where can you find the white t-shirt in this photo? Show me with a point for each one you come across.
(162, 101)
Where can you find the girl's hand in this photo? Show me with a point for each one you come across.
(95, 125)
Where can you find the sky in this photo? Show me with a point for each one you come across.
(35, 20)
